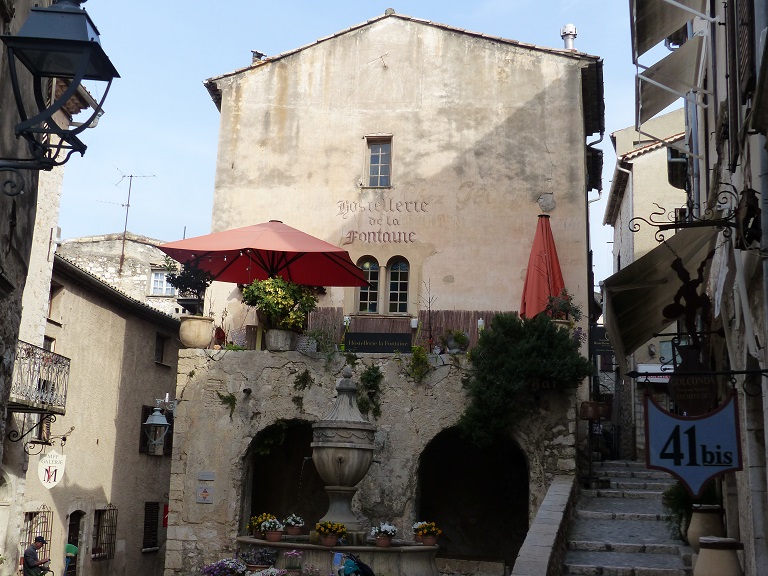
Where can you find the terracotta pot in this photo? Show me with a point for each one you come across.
(294, 530)
(706, 520)
(329, 539)
(196, 331)
(274, 535)
(717, 557)
(383, 541)
(429, 540)
(418, 538)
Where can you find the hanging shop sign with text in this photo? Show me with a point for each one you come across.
(694, 449)
(50, 468)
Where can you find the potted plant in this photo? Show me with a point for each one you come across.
(383, 534)
(293, 524)
(428, 532)
(284, 306)
(563, 307)
(191, 282)
(254, 524)
(225, 567)
(515, 362)
(330, 532)
(271, 571)
(258, 559)
(454, 341)
(272, 529)
(293, 561)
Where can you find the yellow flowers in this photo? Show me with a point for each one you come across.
(329, 527)
(426, 529)
(255, 522)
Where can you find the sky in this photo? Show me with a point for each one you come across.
(161, 126)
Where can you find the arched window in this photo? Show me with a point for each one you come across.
(398, 286)
(369, 295)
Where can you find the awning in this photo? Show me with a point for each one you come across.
(651, 21)
(636, 295)
(669, 79)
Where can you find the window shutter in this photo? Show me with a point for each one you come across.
(151, 518)
(745, 34)
(168, 440)
(143, 440)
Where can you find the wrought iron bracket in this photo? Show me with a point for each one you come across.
(16, 436)
(730, 374)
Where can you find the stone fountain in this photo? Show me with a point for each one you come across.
(342, 451)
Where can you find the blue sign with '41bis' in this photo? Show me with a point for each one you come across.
(695, 449)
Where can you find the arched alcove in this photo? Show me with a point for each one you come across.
(280, 476)
(477, 496)
(76, 537)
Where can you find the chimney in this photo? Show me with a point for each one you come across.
(568, 34)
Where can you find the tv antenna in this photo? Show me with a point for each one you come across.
(127, 205)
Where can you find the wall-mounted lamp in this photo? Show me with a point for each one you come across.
(480, 324)
(59, 46)
(156, 426)
(347, 320)
(414, 323)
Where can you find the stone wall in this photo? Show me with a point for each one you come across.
(208, 438)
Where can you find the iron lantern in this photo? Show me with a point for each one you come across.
(156, 427)
(59, 47)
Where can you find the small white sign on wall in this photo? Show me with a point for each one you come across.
(50, 469)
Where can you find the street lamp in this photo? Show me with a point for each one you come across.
(156, 427)
(57, 44)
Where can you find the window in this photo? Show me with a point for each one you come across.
(379, 162)
(55, 297)
(369, 295)
(151, 522)
(49, 344)
(144, 441)
(398, 286)
(104, 533)
(37, 523)
(161, 342)
(160, 286)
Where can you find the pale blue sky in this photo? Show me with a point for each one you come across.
(161, 121)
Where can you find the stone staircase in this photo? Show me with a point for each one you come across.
(621, 530)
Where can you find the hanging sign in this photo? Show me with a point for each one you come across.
(694, 449)
(50, 468)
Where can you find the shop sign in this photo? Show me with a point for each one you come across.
(694, 449)
(387, 342)
(50, 468)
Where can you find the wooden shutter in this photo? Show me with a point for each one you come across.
(745, 34)
(151, 519)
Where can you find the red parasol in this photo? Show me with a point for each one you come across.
(267, 250)
(543, 277)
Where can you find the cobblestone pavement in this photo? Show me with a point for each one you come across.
(621, 530)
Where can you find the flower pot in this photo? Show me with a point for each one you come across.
(383, 541)
(429, 540)
(196, 331)
(718, 557)
(418, 538)
(281, 340)
(256, 567)
(293, 530)
(274, 535)
(706, 520)
(329, 539)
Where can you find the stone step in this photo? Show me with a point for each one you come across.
(620, 531)
(624, 484)
(608, 493)
(584, 563)
(628, 548)
(622, 515)
(632, 473)
(621, 505)
(619, 464)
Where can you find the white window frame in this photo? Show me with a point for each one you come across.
(370, 140)
(165, 288)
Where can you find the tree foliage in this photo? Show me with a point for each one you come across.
(515, 360)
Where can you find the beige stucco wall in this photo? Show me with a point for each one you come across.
(485, 136)
(208, 439)
(113, 373)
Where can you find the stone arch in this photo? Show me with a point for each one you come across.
(280, 477)
(478, 496)
(77, 537)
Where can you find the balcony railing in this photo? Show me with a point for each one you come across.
(40, 379)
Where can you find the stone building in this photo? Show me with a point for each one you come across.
(109, 502)
(721, 72)
(428, 153)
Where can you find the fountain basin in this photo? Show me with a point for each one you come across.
(404, 560)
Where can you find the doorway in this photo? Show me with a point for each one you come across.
(74, 534)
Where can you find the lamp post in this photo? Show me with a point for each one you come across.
(56, 44)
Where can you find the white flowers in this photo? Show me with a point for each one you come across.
(384, 529)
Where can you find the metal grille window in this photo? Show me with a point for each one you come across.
(104, 533)
(369, 295)
(160, 286)
(398, 286)
(37, 523)
(151, 522)
(379, 162)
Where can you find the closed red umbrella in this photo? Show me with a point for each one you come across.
(543, 278)
(268, 250)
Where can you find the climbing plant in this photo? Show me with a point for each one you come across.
(369, 391)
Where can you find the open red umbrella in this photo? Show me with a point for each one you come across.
(543, 278)
(268, 250)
